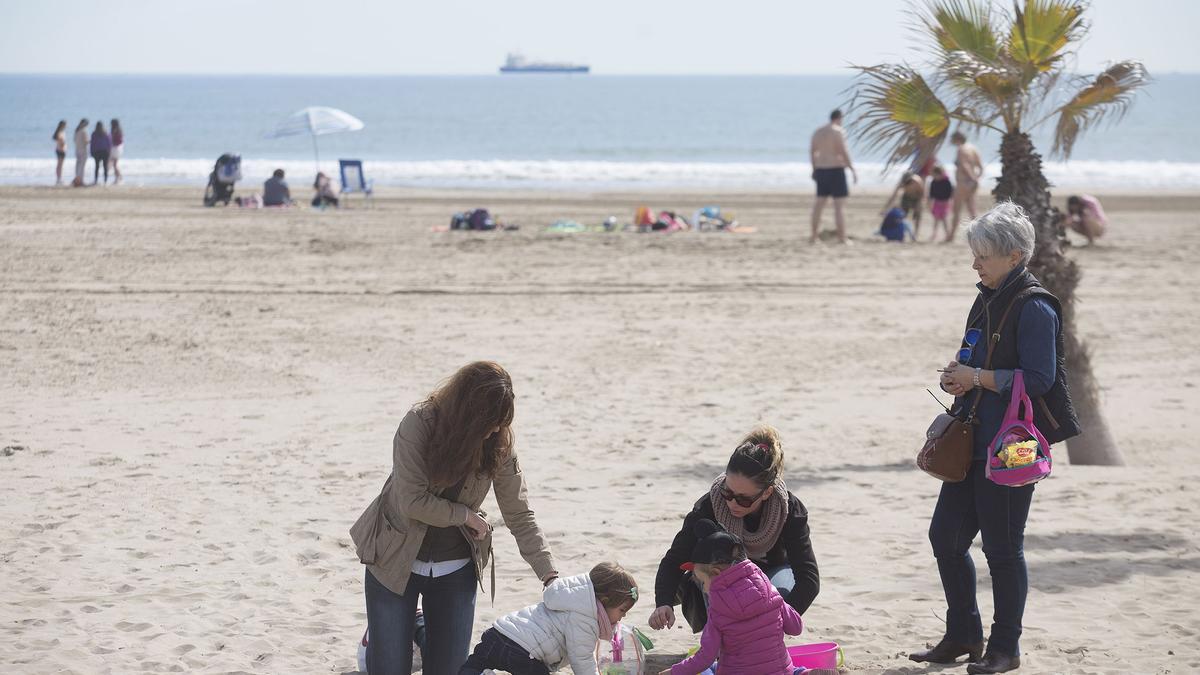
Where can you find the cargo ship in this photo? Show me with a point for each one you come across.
(515, 63)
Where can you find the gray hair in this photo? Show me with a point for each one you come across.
(1002, 230)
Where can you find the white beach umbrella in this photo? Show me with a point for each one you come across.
(316, 121)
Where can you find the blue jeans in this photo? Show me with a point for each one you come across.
(977, 505)
(449, 604)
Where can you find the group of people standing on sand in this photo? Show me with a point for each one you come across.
(902, 213)
(742, 567)
(830, 158)
(106, 149)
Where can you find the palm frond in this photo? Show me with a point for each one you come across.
(961, 25)
(1108, 97)
(895, 111)
(995, 81)
(1042, 31)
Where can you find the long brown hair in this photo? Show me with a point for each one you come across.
(758, 457)
(475, 400)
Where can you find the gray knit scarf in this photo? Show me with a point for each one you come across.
(772, 517)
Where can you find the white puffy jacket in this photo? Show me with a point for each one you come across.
(563, 627)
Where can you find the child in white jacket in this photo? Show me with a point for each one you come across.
(575, 614)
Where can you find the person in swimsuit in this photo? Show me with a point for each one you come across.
(968, 169)
(1086, 216)
(118, 148)
(830, 158)
(60, 149)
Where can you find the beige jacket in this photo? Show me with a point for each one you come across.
(388, 535)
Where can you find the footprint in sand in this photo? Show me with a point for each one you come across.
(133, 627)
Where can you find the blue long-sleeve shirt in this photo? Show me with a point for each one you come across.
(1037, 332)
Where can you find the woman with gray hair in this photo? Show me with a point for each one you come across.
(1018, 324)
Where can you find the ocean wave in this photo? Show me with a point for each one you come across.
(555, 174)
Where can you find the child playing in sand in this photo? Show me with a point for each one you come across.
(747, 618)
(575, 614)
(911, 190)
(941, 190)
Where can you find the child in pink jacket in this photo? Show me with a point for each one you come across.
(747, 618)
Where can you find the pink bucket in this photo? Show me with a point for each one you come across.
(817, 655)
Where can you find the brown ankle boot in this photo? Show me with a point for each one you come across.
(948, 652)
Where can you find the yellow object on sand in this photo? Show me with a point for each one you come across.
(1019, 454)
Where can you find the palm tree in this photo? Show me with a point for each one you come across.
(1007, 71)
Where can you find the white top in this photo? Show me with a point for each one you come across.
(563, 629)
(438, 569)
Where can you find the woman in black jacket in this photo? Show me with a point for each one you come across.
(751, 501)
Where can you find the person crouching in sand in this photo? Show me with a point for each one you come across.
(751, 501)
(1086, 216)
(911, 191)
(575, 615)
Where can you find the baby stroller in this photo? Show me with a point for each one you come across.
(226, 172)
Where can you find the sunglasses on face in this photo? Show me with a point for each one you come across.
(741, 500)
(970, 339)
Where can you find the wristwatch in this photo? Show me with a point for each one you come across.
(975, 379)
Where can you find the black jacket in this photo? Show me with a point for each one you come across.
(1053, 413)
(793, 548)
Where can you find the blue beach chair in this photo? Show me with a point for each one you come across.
(353, 179)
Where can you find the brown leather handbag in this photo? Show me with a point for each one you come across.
(948, 446)
(950, 440)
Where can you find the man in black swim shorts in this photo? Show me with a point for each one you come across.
(830, 158)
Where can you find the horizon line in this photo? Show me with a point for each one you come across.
(495, 73)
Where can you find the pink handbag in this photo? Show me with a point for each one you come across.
(1019, 454)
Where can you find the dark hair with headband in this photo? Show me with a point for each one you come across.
(759, 457)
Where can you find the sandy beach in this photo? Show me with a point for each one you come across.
(198, 403)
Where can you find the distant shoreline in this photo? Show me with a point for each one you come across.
(568, 175)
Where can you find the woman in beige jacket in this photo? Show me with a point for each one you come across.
(424, 536)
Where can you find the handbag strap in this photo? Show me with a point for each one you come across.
(991, 347)
(1018, 396)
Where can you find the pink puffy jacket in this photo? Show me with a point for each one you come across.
(747, 619)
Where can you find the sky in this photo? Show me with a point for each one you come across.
(472, 37)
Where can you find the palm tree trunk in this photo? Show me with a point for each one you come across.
(1022, 181)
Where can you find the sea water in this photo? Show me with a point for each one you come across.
(536, 131)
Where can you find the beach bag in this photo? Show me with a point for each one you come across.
(625, 654)
(362, 651)
(480, 219)
(1019, 454)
